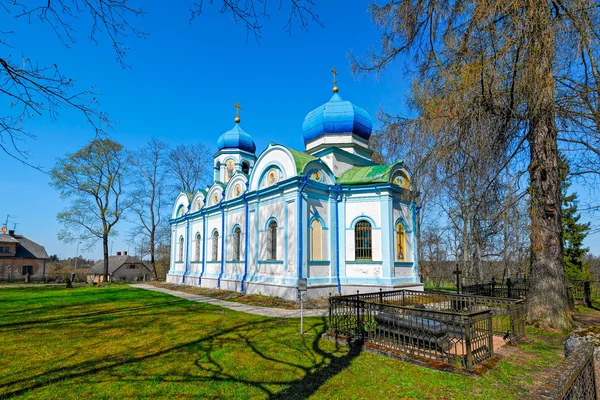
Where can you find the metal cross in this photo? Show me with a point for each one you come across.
(334, 76)
(237, 109)
(457, 273)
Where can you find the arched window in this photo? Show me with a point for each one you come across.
(363, 244)
(316, 241)
(237, 239)
(180, 211)
(400, 242)
(215, 246)
(246, 167)
(198, 243)
(272, 241)
(180, 255)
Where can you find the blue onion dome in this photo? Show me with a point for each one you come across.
(335, 117)
(236, 138)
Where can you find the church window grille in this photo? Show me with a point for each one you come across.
(400, 242)
(215, 246)
(272, 241)
(198, 243)
(363, 243)
(237, 239)
(316, 245)
(181, 242)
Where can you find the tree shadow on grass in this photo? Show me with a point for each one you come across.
(302, 356)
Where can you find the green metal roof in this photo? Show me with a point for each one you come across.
(366, 175)
(300, 158)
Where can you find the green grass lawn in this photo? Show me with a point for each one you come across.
(119, 342)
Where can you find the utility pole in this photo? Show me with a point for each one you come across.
(76, 258)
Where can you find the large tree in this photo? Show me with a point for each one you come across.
(93, 180)
(150, 194)
(189, 166)
(531, 67)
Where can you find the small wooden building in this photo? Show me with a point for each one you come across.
(121, 267)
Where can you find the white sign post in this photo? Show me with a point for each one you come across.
(302, 286)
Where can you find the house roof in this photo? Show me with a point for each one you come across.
(26, 248)
(4, 238)
(114, 262)
(366, 175)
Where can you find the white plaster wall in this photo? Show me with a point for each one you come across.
(235, 217)
(367, 270)
(376, 250)
(196, 227)
(212, 223)
(320, 206)
(368, 208)
(361, 205)
(402, 210)
(265, 213)
(234, 268)
(275, 155)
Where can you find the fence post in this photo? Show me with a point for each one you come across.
(358, 331)
(380, 296)
(469, 357)
(587, 293)
(493, 287)
(508, 286)
(331, 315)
(490, 333)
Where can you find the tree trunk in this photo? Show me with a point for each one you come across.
(105, 248)
(547, 298)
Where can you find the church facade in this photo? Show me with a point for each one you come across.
(328, 214)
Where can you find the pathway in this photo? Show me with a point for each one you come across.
(264, 311)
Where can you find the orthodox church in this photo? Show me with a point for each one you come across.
(328, 213)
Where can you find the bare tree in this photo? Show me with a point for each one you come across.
(150, 194)
(190, 167)
(94, 180)
(32, 88)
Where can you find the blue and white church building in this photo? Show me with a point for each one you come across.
(328, 213)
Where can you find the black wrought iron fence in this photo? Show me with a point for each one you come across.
(573, 379)
(579, 290)
(508, 314)
(461, 339)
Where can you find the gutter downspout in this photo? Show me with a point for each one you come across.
(222, 240)
(246, 242)
(300, 224)
(338, 192)
(203, 243)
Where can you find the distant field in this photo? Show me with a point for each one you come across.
(118, 342)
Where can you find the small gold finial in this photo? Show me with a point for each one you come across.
(237, 112)
(335, 88)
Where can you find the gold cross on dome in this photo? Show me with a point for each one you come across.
(334, 72)
(237, 111)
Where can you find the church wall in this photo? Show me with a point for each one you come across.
(318, 208)
(292, 238)
(363, 207)
(272, 158)
(213, 222)
(268, 210)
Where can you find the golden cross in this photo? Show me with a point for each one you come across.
(237, 110)
(334, 76)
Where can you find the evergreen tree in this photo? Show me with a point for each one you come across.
(574, 232)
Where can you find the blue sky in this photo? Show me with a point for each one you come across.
(181, 87)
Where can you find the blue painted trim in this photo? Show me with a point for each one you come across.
(203, 243)
(233, 229)
(337, 237)
(187, 250)
(403, 264)
(414, 238)
(222, 240)
(272, 165)
(270, 261)
(271, 218)
(361, 217)
(319, 262)
(401, 219)
(318, 218)
(300, 224)
(246, 242)
(366, 262)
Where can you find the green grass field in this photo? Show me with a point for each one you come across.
(117, 342)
